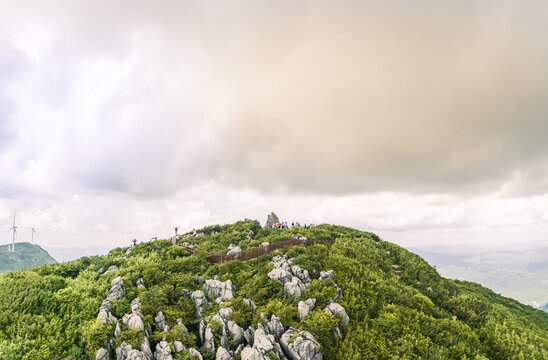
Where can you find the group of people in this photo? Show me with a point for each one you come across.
(284, 226)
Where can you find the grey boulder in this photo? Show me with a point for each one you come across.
(336, 309)
(300, 345)
(102, 354)
(163, 351)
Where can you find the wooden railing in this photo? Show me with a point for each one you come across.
(255, 252)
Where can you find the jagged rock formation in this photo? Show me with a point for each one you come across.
(300, 345)
(294, 279)
(218, 289)
(235, 251)
(337, 310)
(117, 289)
(305, 307)
(271, 220)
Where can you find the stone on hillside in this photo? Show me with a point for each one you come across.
(224, 313)
(135, 306)
(222, 354)
(326, 275)
(160, 321)
(300, 345)
(271, 220)
(302, 274)
(195, 353)
(134, 322)
(105, 313)
(122, 351)
(252, 354)
(163, 351)
(135, 355)
(186, 293)
(235, 252)
(249, 335)
(236, 332)
(250, 234)
(117, 331)
(311, 303)
(263, 342)
(117, 289)
(304, 309)
(145, 348)
(178, 346)
(275, 327)
(209, 342)
(112, 269)
(294, 288)
(200, 301)
(140, 284)
(219, 289)
(100, 271)
(250, 303)
(337, 310)
(281, 275)
(102, 354)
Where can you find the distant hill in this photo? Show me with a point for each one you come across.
(544, 308)
(25, 256)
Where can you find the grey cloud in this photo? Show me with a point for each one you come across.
(311, 97)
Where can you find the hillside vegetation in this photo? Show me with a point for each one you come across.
(51, 312)
(25, 256)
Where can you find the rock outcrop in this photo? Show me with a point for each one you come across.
(294, 279)
(219, 289)
(300, 345)
(271, 220)
(200, 301)
(117, 289)
(337, 310)
(305, 307)
(163, 351)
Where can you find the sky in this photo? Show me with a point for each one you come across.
(424, 122)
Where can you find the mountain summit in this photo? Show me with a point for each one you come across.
(242, 292)
(25, 256)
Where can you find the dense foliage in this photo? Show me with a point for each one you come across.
(50, 312)
(25, 256)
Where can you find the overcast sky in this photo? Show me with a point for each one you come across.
(425, 122)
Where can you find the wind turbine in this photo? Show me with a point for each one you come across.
(33, 233)
(14, 229)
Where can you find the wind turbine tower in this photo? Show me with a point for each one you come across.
(33, 234)
(14, 229)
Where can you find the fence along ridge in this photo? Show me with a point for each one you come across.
(255, 252)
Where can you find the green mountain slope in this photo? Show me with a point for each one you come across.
(25, 256)
(93, 307)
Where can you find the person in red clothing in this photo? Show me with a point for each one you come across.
(134, 242)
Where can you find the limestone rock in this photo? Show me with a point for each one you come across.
(250, 303)
(219, 289)
(249, 335)
(178, 346)
(209, 342)
(281, 275)
(300, 345)
(263, 342)
(295, 287)
(271, 220)
(117, 331)
(252, 354)
(224, 313)
(275, 327)
(195, 353)
(302, 274)
(135, 355)
(145, 348)
(235, 331)
(160, 321)
(222, 354)
(117, 289)
(135, 322)
(122, 351)
(250, 234)
(105, 314)
(140, 284)
(200, 301)
(326, 275)
(163, 351)
(112, 269)
(337, 310)
(235, 252)
(102, 354)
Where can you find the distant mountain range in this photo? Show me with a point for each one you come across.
(25, 256)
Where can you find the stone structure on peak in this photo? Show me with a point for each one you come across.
(271, 220)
